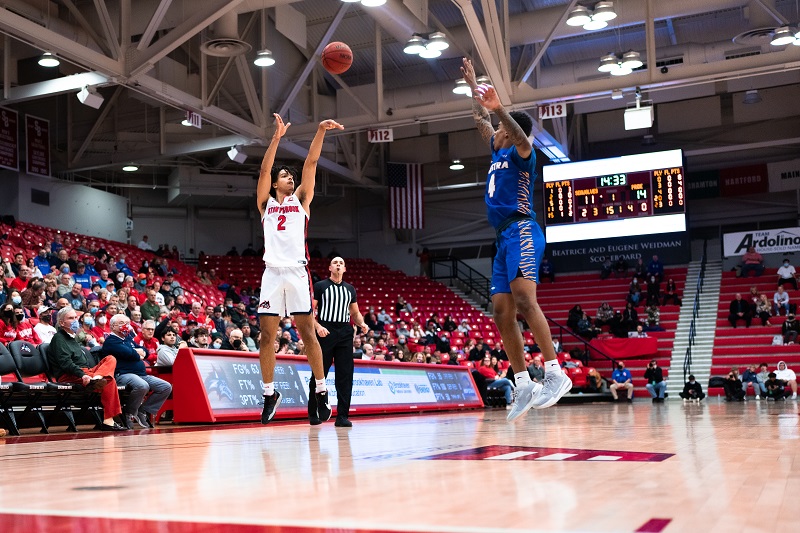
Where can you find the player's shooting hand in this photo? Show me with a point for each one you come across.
(280, 127)
(486, 95)
(468, 71)
(322, 332)
(330, 124)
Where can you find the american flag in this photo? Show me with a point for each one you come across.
(405, 195)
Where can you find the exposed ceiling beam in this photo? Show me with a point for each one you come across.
(543, 46)
(107, 106)
(207, 12)
(84, 24)
(108, 27)
(152, 26)
(75, 82)
(251, 95)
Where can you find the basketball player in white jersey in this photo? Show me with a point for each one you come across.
(286, 287)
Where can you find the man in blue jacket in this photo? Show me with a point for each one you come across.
(131, 371)
(621, 379)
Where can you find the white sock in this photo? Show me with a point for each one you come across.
(522, 378)
(269, 388)
(320, 385)
(551, 367)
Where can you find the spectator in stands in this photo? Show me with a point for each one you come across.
(35, 273)
(8, 324)
(131, 305)
(424, 256)
(23, 327)
(86, 336)
(81, 276)
(639, 333)
(784, 373)
(750, 378)
(605, 313)
(764, 310)
(671, 293)
(122, 266)
(69, 363)
(150, 308)
(449, 324)
(634, 292)
(131, 372)
(218, 322)
(787, 274)
(594, 382)
(464, 327)
(653, 318)
(232, 252)
(75, 297)
(235, 341)
(606, 268)
(402, 329)
(3, 288)
(358, 349)
(621, 268)
(168, 349)
(19, 262)
(56, 245)
(790, 329)
(201, 338)
(752, 261)
(371, 320)
(653, 291)
(535, 370)
(144, 245)
(384, 317)
(755, 296)
(776, 388)
(763, 375)
(546, 270)
(369, 353)
(249, 251)
(630, 318)
(20, 283)
(733, 387)
(621, 379)
(656, 385)
(239, 315)
(33, 297)
(780, 301)
(573, 316)
(478, 352)
(495, 380)
(739, 310)
(44, 328)
(692, 391)
(247, 339)
(585, 328)
(65, 285)
(639, 269)
(148, 342)
(618, 326)
(656, 268)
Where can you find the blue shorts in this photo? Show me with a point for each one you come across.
(519, 252)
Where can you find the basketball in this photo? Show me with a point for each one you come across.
(337, 57)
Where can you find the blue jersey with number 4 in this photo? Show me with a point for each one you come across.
(509, 185)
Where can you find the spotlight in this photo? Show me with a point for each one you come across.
(608, 63)
(90, 98)
(751, 97)
(482, 79)
(604, 11)
(237, 154)
(49, 60)
(579, 16)
(462, 88)
(782, 36)
(436, 41)
(430, 54)
(616, 94)
(595, 24)
(456, 165)
(130, 168)
(631, 60)
(264, 59)
(372, 3)
(415, 45)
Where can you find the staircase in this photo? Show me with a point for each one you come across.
(705, 326)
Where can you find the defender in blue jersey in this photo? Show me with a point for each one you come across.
(520, 245)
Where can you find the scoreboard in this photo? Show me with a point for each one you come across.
(617, 197)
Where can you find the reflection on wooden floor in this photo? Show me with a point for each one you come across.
(598, 468)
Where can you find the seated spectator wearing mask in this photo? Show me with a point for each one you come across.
(148, 342)
(692, 391)
(132, 373)
(44, 328)
(69, 363)
(784, 373)
(15, 327)
(168, 349)
(787, 274)
(41, 262)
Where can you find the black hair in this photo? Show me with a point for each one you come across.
(274, 177)
(524, 120)
(691, 377)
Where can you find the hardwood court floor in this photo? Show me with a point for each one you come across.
(715, 467)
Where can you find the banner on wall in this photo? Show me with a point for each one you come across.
(784, 175)
(701, 185)
(768, 241)
(671, 248)
(9, 139)
(37, 145)
(739, 181)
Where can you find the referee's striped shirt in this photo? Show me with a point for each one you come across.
(333, 301)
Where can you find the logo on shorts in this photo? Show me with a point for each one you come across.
(302, 262)
(264, 305)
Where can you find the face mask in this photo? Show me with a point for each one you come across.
(89, 321)
(20, 316)
(183, 322)
(75, 326)
(401, 341)
(8, 313)
(237, 343)
(786, 264)
(121, 278)
(619, 367)
(691, 381)
(94, 310)
(17, 300)
(218, 344)
(142, 282)
(146, 264)
(102, 320)
(65, 270)
(229, 306)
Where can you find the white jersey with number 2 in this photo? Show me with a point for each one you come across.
(285, 228)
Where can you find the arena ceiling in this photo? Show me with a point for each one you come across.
(154, 60)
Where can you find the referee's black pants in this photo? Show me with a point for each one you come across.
(337, 349)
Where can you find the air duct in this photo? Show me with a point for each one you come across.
(224, 41)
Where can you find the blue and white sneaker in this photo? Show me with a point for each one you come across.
(523, 398)
(554, 386)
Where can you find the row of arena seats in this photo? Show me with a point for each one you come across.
(741, 346)
(28, 385)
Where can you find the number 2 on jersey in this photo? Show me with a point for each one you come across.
(281, 222)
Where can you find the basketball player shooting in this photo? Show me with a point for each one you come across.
(286, 287)
(520, 245)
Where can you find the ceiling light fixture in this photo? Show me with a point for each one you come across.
(595, 19)
(427, 48)
(430, 54)
(782, 36)
(372, 3)
(415, 45)
(456, 165)
(462, 88)
(130, 168)
(620, 64)
(437, 41)
(264, 58)
(751, 97)
(186, 122)
(236, 154)
(49, 60)
(632, 60)
(483, 79)
(90, 97)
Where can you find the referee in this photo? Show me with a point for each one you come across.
(335, 303)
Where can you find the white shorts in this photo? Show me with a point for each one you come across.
(285, 291)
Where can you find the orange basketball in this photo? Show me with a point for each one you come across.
(337, 57)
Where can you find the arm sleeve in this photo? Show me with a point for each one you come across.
(353, 299)
(318, 290)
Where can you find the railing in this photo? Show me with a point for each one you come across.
(687, 361)
(451, 268)
(587, 347)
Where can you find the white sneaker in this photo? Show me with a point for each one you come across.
(555, 386)
(794, 396)
(522, 399)
(685, 401)
(758, 397)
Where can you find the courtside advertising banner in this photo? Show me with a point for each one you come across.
(768, 241)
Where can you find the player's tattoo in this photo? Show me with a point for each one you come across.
(515, 133)
(482, 121)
